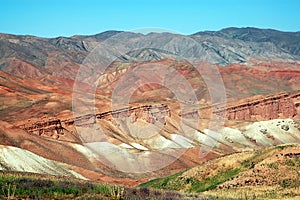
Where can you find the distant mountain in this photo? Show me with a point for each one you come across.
(227, 46)
(288, 41)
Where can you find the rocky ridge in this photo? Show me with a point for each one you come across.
(282, 105)
(223, 47)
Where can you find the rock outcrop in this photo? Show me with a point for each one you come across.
(55, 128)
(282, 105)
(50, 128)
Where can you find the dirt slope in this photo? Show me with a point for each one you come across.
(265, 174)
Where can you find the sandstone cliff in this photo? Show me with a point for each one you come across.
(282, 105)
(62, 128)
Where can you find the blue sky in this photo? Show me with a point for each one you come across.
(52, 18)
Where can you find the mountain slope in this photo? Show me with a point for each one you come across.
(16, 159)
(289, 41)
(257, 172)
(223, 47)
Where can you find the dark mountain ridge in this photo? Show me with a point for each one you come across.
(224, 47)
(289, 41)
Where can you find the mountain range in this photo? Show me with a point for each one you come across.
(227, 46)
(125, 107)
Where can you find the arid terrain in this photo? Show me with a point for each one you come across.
(125, 108)
(272, 173)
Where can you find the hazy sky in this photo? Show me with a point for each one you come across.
(52, 18)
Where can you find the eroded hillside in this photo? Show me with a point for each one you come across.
(272, 173)
(181, 100)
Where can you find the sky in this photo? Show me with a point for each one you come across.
(53, 18)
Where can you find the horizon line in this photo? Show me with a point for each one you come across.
(145, 32)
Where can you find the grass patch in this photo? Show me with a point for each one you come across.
(167, 183)
(284, 146)
(48, 188)
(175, 182)
(212, 182)
(292, 162)
(273, 165)
(281, 147)
(256, 158)
(203, 181)
(15, 185)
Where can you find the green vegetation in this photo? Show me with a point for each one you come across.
(281, 147)
(15, 185)
(273, 165)
(207, 178)
(284, 146)
(212, 182)
(205, 182)
(290, 163)
(192, 184)
(256, 158)
(33, 186)
(164, 183)
(176, 182)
